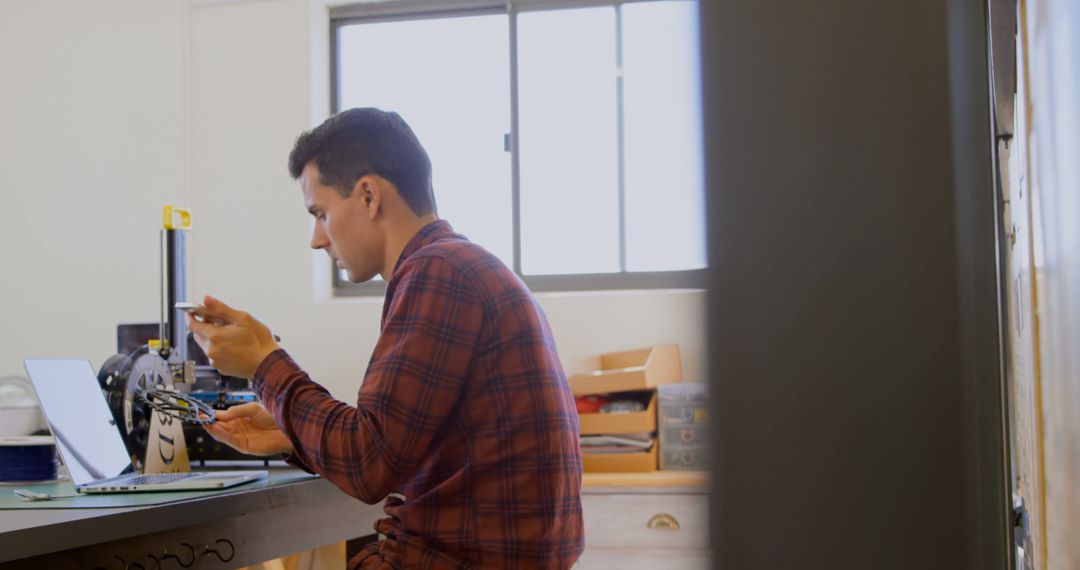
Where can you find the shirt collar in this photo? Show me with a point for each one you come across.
(428, 234)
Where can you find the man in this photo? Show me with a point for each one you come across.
(464, 409)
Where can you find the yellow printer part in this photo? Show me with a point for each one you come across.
(173, 218)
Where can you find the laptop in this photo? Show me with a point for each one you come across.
(90, 443)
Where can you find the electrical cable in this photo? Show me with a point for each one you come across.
(177, 405)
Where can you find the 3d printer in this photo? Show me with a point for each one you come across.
(160, 375)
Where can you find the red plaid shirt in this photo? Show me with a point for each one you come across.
(464, 411)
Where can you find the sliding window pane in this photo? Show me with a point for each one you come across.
(449, 79)
(664, 183)
(568, 141)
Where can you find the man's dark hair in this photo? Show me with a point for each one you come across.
(358, 142)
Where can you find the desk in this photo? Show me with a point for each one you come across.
(653, 481)
(645, 520)
(262, 520)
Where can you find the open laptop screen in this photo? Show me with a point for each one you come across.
(80, 420)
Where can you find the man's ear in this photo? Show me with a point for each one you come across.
(368, 190)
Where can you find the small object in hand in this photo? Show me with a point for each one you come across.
(198, 312)
(590, 404)
(622, 407)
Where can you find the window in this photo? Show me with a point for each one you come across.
(565, 139)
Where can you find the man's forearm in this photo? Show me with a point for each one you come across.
(329, 437)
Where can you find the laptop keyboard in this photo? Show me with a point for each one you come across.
(159, 478)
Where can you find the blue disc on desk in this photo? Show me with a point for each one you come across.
(27, 458)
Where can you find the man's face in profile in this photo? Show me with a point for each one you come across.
(344, 226)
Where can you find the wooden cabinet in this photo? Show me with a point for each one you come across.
(646, 520)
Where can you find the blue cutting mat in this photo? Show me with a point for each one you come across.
(9, 500)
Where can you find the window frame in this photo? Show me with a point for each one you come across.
(403, 10)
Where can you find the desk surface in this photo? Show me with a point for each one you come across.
(285, 514)
(680, 479)
(654, 482)
(67, 498)
(309, 505)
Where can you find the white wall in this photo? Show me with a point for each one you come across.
(91, 146)
(251, 76)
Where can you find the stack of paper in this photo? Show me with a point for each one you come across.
(623, 443)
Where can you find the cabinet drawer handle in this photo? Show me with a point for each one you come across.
(663, 520)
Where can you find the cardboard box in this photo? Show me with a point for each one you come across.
(635, 462)
(627, 422)
(640, 369)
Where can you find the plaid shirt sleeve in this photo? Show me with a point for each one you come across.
(430, 332)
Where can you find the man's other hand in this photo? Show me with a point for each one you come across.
(250, 429)
(234, 341)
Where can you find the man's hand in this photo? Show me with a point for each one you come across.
(249, 428)
(235, 342)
